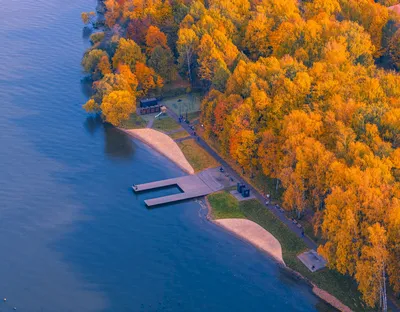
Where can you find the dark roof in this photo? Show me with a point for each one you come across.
(148, 100)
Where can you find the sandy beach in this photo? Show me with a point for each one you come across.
(254, 234)
(163, 144)
(333, 301)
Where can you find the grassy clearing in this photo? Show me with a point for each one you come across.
(175, 88)
(224, 206)
(165, 124)
(148, 117)
(179, 135)
(134, 122)
(189, 103)
(194, 117)
(197, 156)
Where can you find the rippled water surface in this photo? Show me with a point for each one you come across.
(73, 237)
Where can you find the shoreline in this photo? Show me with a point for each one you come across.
(320, 293)
(255, 235)
(274, 251)
(163, 144)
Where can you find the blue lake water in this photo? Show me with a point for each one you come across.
(73, 237)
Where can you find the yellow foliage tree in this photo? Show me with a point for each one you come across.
(118, 106)
(187, 44)
(371, 269)
(128, 53)
(91, 106)
(256, 38)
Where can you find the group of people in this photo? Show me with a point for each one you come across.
(181, 118)
(193, 133)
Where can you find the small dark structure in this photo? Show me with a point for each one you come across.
(240, 187)
(148, 102)
(246, 192)
(243, 190)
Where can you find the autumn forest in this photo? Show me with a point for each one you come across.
(306, 92)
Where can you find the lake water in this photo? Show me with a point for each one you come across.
(73, 237)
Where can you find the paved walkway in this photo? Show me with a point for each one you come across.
(174, 131)
(184, 139)
(150, 123)
(228, 169)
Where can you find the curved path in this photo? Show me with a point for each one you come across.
(163, 144)
(255, 234)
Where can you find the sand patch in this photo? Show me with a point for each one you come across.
(255, 234)
(163, 144)
(333, 301)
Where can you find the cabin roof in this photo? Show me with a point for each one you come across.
(148, 100)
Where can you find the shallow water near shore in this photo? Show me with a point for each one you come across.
(73, 237)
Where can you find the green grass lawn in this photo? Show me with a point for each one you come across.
(197, 156)
(189, 103)
(165, 124)
(194, 116)
(134, 122)
(224, 206)
(148, 117)
(179, 135)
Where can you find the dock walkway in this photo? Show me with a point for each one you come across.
(191, 186)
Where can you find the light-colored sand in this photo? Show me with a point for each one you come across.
(163, 144)
(333, 301)
(395, 8)
(255, 234)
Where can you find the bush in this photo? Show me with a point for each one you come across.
(96, 37)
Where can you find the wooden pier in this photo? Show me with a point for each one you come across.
(191, 186)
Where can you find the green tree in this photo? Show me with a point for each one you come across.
(91, 61)
(128, 53)
(162, 61)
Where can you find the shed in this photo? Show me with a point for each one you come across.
(148, 102)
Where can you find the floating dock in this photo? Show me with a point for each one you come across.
(191, 186)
